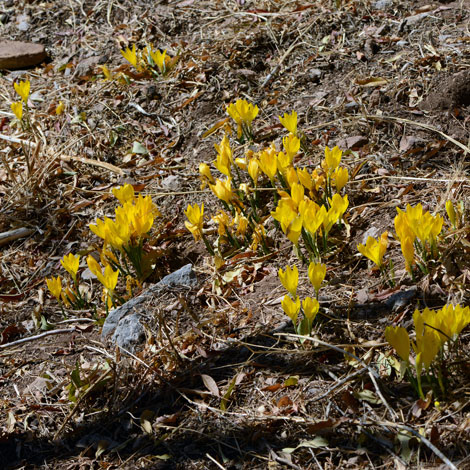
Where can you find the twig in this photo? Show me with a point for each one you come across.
(42, 335)
(11, 235)
(209, 456)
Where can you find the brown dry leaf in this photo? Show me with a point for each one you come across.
(210, 384)
(371, 81)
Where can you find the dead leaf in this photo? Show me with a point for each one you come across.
(371, 81)
(210, 384)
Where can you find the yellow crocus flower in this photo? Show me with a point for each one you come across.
(130, 55)
(71, 263)
(223, 190)
(23, 89)
(268, 162)
(290, 279)
(124, 193)
(289, 121)
(159, 59)
(408, 250)
(399, 339)
(17, 109)
(291, 145)
(224, 156)
(242, 111)
(254, 170)
(316, 274)
(55, 286)
(450, 209)
(195, 215)
(291, 308)
(305, 178)
(375, 250)
(310, 307)
(59, 108)
(332, 158)
(340, 177)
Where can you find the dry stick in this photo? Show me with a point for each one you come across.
(42, 335)
(11, 235)
(372, 372)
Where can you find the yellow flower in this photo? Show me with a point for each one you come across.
(290, 279)
(375, 250)
(253, 170)
(141, 215)
(449, 209)
(55, 286)
(283, 163)
(291, 308)
(408, 250)
(205, 174)
(106, 72)
(242, 224)
(291, 145)
(305, 178)
(223, 219)
(289, 121)
(310, 307)
(110, 277)
(17, 109)
(242, 111)
(124, 193)
(291, 176)
(285, 213)
(399, 339)
(70, 263)
(268, 162)
(60, 108)
(241, 163)
(130, 55)
(340, 177)
(297, 194)
(428, 340)
(294, 230)
(223, 190)
(316, 274)
(159, 59)
(224, 156)
(22, 89)
(332, 158)
(195, 215)
(313, 216)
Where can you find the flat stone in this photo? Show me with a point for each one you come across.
(20, 55)
(123, 326)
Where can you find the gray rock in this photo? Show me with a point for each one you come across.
(20, 55)
(123, 325)
(383, 4)
(129, 332)
(184, 277)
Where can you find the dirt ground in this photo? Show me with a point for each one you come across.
(217, 383)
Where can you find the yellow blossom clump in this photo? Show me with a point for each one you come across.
(289, 121)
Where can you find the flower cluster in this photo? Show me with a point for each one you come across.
(69, 296)
(418, 229)
(148, 58)
(125, 234)
(122, 251)
(22, 89)
(308, 204)
(433, 329)
(291, 303)
(308, 207)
